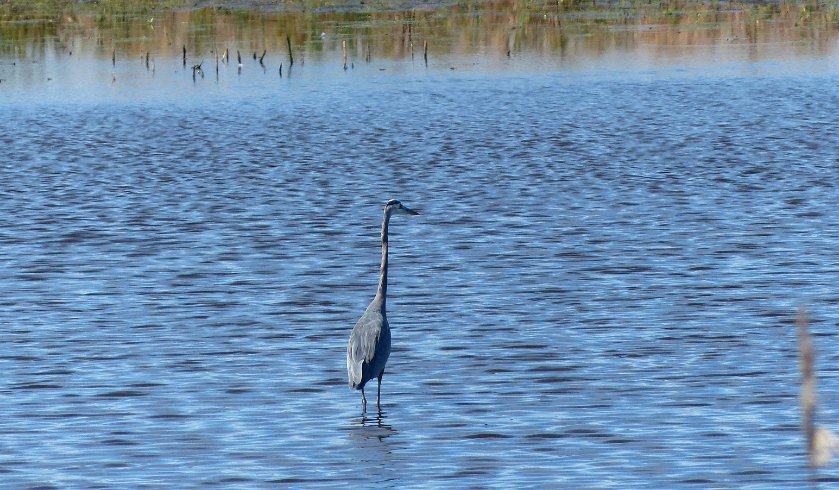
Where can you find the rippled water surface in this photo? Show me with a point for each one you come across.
(599, 292)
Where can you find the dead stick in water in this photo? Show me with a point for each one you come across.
(239, 56)
(425, 51)
(808, 382)
(264, 52)
(281, 70)
(290, 55)
(822, 443)
(344, 48)
(184, 55)
(114, 57)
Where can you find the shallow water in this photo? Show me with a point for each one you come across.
(600, 291)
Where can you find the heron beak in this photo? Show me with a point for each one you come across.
(409, 211)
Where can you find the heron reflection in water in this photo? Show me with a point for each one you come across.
(375, 427)
(369, 344)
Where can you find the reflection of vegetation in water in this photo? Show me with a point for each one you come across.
(391, 29)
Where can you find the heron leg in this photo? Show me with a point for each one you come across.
(379, 395)
(363, 401)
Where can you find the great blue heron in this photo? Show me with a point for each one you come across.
(369, 345)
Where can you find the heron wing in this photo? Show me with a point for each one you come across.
(361, 349)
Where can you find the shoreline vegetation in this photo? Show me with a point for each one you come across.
(604, 11)
(397, 29)
(635, 8)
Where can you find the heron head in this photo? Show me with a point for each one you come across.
(395, 207)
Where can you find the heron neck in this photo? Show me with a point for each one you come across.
(382, 292)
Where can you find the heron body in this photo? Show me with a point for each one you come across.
(369, 346)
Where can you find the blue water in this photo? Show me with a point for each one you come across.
(600, 291)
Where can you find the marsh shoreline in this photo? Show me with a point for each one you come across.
(499, 35)
(53, 7)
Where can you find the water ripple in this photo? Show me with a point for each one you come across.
(587, 300)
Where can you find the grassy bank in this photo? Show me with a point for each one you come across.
(396, 29)
(323, 6)
(116, 6)
(51, 7)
